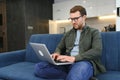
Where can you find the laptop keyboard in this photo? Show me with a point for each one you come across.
(59, 61)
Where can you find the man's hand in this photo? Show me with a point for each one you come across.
(65, 58)
(55, 55)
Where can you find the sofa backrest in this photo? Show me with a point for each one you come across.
(50, 40)
(111, 50)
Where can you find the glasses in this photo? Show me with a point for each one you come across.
(74, 19)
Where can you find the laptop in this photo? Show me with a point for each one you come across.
(44, 55)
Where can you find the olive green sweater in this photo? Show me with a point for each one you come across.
(90, 47)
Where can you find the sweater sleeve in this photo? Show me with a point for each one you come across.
(61, 46)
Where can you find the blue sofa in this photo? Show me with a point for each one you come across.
(19, 65)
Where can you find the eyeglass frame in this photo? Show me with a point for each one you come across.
(75, 18)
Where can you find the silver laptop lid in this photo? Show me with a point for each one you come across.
(44, 55)
(42, 52)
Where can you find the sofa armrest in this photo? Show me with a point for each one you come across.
(7, 58)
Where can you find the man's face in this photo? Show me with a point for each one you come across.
(77, 20)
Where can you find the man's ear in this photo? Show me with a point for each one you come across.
(84, 17)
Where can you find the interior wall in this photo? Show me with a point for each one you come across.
(15, 24)
(56, 27)
(24, 18)
(64, 26)
(37, 14)
(100, 24)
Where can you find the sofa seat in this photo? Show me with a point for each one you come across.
(20, 71)
(13, 72)
(109, 75)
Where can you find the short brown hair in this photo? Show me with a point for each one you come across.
(79, 8)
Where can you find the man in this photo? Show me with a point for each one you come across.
(81, 45)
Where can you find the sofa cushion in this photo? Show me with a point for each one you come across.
(20, 71)
(109, 75)
(51, 41)
(111, 50)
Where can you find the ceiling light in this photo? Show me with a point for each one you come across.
(114, 11)
(107, 17)
(84, 1)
